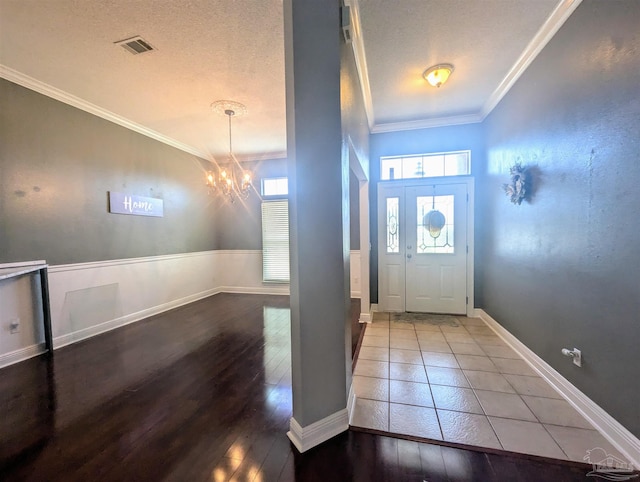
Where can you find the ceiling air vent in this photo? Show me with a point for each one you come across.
(135, 45)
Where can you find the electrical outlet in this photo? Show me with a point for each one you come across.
(577, 357)
(14, 325)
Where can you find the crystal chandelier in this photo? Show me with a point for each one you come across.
(231, 180)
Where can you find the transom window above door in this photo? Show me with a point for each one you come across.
(457, 163)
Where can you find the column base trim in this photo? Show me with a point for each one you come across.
(365, 318)
(305, 438)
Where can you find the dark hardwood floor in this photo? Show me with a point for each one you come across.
(203, 392)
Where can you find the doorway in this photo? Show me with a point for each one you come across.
(425, 245)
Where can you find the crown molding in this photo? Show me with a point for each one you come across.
(62, 96)
(357, 44)
(427, 123)
(549, 28)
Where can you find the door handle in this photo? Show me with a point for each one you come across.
(409, 256)
(409, 247)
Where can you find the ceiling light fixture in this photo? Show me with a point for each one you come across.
(438, 74)
(231, 180)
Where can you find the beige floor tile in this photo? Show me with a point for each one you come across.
(481, 330)
(408, 373)
(577, 441)
(536, 386)
(380, 341)
(379, 323)
(404, 344)
(377, 331)
(426, 327)
(452, 377)
(556, 412)
(405, 356)
(380, 316)
(467, 428)
(399, 325)
(412, 420)
(461, 330)
(471, 321)
(402, 334)
(488, 340)
(437, 346)
(431, 336)
(372, 368)
(488, 381)
(464, 349)
(513, 367)
(444, 360)
(373, 353)
(371, 388)
(504, 405)
(475, 362)
(498, 351)
(410, 393)
(526, 437)
(455, 398)
(372, 414)
(458, 338)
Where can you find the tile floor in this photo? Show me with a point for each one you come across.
(459, 382)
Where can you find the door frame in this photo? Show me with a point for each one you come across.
(437, 181)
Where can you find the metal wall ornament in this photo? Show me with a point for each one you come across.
(434, 220)
(517, 187)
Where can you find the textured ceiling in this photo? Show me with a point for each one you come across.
(206, 50)
(233, 49)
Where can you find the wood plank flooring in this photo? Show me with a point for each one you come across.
(202, 392)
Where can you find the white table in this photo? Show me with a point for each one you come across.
(13, 270)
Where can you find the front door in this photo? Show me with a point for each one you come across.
(423, 247)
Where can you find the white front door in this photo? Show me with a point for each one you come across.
(423, 247)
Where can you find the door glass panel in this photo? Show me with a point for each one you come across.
(393, 230)
(434, 225)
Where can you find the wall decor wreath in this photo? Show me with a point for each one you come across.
(516, 189)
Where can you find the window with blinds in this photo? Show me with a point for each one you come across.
(275, 241)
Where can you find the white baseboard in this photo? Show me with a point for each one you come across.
(256, 290)
(351, 402)
(22, 354)
(365, 318)
(608, 426)
(355, 294)
(75, 336)
(374, 307)
(305, 438)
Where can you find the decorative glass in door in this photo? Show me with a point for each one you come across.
(435, 232)
(393, 235)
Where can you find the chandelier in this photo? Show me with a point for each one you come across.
(231, 180)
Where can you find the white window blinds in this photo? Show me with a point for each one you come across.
(275, 241)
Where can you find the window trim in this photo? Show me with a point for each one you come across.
(423, 155)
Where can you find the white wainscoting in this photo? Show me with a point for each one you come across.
(90, 298)
(354, 274)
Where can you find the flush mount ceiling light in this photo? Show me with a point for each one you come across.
(231, 180)
(438, 74)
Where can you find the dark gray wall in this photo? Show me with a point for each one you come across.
(420, 141)
(563, 270)
(240, 223)
(354, 210)
(57, 164)
(355, 134)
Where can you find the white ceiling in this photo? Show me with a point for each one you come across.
(233, 49)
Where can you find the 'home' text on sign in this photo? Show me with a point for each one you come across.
(120, 203)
